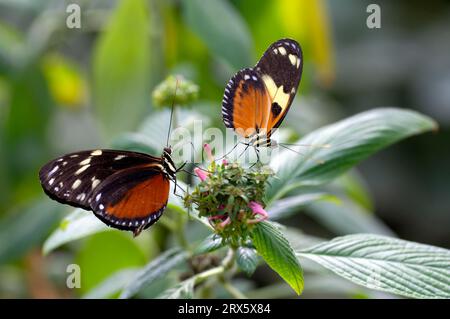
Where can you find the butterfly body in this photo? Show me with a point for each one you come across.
(256, 100)
(126, 190)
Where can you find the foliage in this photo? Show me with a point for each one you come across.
(212, 243)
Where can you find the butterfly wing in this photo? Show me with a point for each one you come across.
(132, 199)
(281, 67)
(258, 99)
(78, 179)
(245, 103)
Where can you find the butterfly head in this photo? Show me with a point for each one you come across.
(168, 163)
(168, 150)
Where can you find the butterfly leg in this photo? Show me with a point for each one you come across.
(234, 147)
(246, 148)
(257, 157)
(181, 167)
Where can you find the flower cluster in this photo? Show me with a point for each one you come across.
(175, 89)
(231, 197)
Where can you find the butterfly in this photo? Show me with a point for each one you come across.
(256, 100)
(126, 190)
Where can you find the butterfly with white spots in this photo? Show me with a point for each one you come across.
(256, 100)
(125, 190)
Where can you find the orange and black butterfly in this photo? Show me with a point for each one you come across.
(256, 100)
(125, 190)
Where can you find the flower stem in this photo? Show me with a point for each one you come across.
(198, 278)
(233, 291)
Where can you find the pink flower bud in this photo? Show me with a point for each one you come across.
(216, 217)
(257, 210)
(201, 174)
(208, 152)
(225, 222)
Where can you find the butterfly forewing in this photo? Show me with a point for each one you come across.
(72, 178)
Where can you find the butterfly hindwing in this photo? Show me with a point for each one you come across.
(132, 199)
(72, 178)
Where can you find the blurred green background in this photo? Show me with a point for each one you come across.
(63, 90)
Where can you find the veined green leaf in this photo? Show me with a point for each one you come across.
(183, 290)
(278, 254)
(349, 141)
(346, 217)
(290, 205)
(217, 19)
(387, 264)
(247, 259)
(157, 268)
(209, 244)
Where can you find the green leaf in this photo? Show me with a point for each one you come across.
(136, 142)
(350, 141)
(247, 260)
(76, 225)
(24, 229)
(209, 244)
(112, 285)
(277, 252)
(387, 264)
(156, 269)
(354, 187)
(121, 68)
(290, 205)
(347, 217)
(104, 254)
(183, 290)
(217, 19)
(81, 223)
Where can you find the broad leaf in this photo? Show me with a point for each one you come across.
(183, 290)
(22, 230)
(111, 285)
(346, 217)
(278, 254)
(217, 19)
(76, 225)
(350, 141)
(104, 254)
(387, 264)
(247, 260)
(209, 244)
(156, 269)
(290, 205)
(81, 223)
(121, 68)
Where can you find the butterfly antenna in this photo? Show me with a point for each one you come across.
(171, 111)
(307, 145)
(302, 154)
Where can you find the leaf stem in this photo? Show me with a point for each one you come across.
(233, 291)
(198, 278)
